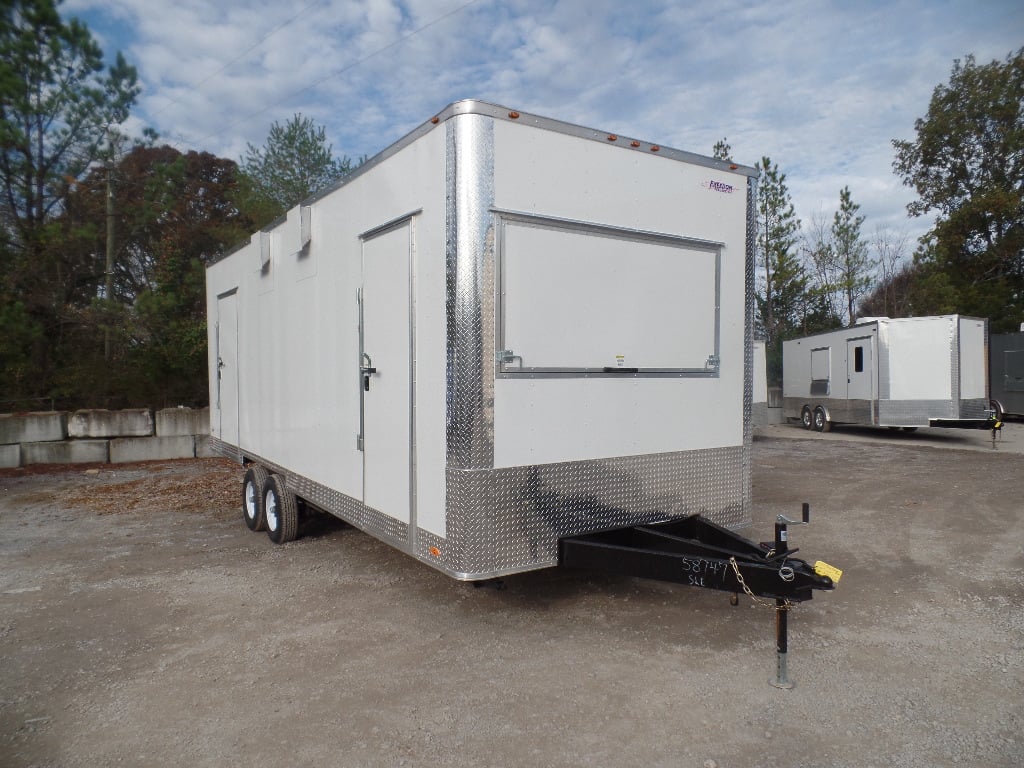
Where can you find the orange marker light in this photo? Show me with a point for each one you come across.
(514, 115)
(634, 143)
(435, 120)
(655, 148)
(435, 551)
(612, 137)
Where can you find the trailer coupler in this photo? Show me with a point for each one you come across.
(696, 552)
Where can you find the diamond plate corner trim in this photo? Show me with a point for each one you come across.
(509, 520)
(748, 344)
(470, 291)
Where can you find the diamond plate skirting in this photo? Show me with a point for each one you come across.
(507, 520)
(226, 450)
(510, 520)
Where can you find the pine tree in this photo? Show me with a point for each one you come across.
(782, 291)
(854, 264)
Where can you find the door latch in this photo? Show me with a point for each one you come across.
(367, 370)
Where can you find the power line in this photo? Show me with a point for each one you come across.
(343, 70)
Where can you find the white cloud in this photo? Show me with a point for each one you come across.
(821, 88)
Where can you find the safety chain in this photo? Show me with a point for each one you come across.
(786, 605)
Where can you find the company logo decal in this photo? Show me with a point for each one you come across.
(718, 186)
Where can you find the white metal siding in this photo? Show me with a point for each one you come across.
(555, 420)
(298, 337)
(973, 360)
(920, 358)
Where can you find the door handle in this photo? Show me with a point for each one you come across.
(367, 371)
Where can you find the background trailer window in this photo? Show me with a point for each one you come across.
(583, 299)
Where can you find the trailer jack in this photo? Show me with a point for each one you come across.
(699, 553)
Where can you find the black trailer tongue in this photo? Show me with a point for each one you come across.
(696, 552)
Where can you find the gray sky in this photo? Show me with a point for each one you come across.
(821, 88)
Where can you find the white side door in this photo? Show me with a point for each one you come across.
(227, 368)
(387, 371)
(860, 367)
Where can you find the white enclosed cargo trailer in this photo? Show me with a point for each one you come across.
(501, 331)
(907, 372)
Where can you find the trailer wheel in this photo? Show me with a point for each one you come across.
(282, 511)
(805, 417)
(253, 487)
(821, 422)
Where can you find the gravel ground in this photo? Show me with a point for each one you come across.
(142, 624)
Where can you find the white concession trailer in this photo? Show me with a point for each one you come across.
(501, 331)
(905, 372)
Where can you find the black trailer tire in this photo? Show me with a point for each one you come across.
(821, 422)
(253, 487)
(995, 406)
(805, 417)
(281, 509)
(909, 429)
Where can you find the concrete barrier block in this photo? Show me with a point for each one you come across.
(10, 456)
(135, 422)
(124, 449)
(172, 422)
(41, 427)
(203, 450)
(66, 452)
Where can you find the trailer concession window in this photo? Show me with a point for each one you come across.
(581, 299)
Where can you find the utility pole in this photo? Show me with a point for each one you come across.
(108, 287)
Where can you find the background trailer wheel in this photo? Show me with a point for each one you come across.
(821, 422)
(805, 417)
(282, 511)
(253, 487)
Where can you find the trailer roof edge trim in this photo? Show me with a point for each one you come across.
(497, 112)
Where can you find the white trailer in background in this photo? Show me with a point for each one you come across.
(907, 372)
(501, 331)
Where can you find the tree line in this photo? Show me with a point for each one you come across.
(105, 237)
(966, 165)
